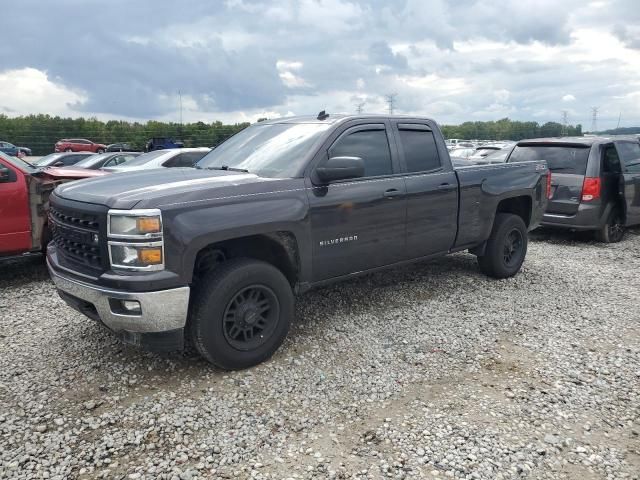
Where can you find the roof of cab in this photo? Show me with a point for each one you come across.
(333, 118)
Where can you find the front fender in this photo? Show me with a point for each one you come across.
(192, 230)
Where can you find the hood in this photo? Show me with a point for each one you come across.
(154, 187)
(70, 172)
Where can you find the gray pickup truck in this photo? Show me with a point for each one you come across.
(214, 255)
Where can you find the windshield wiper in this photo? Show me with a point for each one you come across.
(228, 168)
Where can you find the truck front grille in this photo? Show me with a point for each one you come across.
(77, 238)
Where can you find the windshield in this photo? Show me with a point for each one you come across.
(145, 158)
(271, 150)
(49, 159)
(18, 163)
(560, 158)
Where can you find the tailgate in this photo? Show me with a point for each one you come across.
(566, 190)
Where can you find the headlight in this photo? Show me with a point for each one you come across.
(127, 231)
(142, 256)
(135, 223)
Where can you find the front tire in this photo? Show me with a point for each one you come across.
(68, 150)
(613, 230)
(506, 248)
(100, 150)
(241, 313)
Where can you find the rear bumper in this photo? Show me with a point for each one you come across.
(159, 325)
(588, 217)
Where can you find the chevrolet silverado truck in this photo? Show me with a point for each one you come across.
(24, 199)
(213, 256)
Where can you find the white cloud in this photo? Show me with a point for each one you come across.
(28, 90)
(568, 98)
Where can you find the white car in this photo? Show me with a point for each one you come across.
(174, 157)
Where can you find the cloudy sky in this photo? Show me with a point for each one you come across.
(238, 60)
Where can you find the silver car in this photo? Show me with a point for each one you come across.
(175, 157)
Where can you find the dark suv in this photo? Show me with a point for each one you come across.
(595, 182)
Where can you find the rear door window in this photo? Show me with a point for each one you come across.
(570, 159)
(419, 147)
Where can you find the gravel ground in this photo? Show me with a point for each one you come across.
(429, 371)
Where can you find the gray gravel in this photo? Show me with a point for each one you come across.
(429, 371)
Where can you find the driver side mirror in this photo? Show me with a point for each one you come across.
(5, 174)
(340, 168)
(59, 163)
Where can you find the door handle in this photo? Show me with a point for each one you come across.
(444, 186)
(392, 192)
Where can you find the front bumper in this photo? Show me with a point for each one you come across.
(159, 326)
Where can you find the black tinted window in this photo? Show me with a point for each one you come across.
(420, 153)
(610, 160)
(370, 145)
(560, 159)
(71, 159)
(187, 159)
(630, 154)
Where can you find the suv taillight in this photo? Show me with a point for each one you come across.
(591, 189)
(549, 194)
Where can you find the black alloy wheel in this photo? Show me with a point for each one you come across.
(513, 247)
(251, 317)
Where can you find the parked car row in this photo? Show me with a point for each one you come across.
(11, 149)
(70, 145)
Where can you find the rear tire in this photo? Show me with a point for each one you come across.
(68, 150)
(506, 248)
(613, 230)
(240, 314)
(100, 150)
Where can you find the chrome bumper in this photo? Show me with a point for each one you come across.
(160, 311)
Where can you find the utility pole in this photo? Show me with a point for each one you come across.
(391, 100)
(180, 98)
(619, 118)
(594, 119)
(360, 107)
(565, 122)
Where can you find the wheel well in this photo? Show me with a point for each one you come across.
(520, 206)
(280, 249)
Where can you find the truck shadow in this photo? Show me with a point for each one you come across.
(566, 237)
(19, 271)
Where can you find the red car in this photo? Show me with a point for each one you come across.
(24, 202)
(79, 145)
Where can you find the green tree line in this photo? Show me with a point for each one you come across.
(506, 129)
(41, 132)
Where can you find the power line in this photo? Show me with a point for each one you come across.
(391, 100)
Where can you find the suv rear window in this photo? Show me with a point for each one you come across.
(560, 158)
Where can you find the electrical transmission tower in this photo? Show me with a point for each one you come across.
(594, 119)
(391, 101)
(359, 108)
(565, 122)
